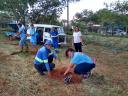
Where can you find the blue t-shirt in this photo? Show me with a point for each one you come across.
(54, 34)
(79, 58)
(33, 33)
(22, 32)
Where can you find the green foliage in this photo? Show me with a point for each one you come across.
(47, 11)
(44, 11)
(17, 8)
(4, 18)
(120, 7)
(115, 13)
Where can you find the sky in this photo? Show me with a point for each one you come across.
(93, 5)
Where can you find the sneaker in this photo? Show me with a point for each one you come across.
(87, 75)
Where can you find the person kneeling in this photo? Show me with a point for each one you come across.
(43, 59)
(80, 63)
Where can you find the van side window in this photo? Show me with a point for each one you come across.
(47, 29)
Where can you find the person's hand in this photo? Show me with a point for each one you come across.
(13, 38)
(49, 74)
(64, 74)
(82, 43)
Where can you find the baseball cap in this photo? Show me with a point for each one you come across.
(48, 42)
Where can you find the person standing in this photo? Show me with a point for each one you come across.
(23, 36)
(77, 40)
(46, 35)
(39, 36)
(54, 36)
(33, 39)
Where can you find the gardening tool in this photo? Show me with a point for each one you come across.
(68, 79)
(13, 53)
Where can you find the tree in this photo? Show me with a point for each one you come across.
(46, 11)
(78, 16)
(121, 7)
(18, 8)
(83, 18)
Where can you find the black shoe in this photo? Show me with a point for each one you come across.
(87, 75)
(42, 74)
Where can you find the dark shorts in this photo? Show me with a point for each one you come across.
(83, 68)
(41, 68)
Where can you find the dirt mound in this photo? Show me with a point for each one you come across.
(58, 75)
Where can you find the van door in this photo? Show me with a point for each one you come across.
(46, 34)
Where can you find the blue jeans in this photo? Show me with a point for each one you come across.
(83, 68)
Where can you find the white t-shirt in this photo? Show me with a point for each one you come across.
(47, 36)
(28, 32)
(77, 37)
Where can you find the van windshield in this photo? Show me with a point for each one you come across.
(60, 30)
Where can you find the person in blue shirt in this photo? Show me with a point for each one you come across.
(23, 37)
(44, 57)
(33, 35)
(80, 63)
(54, 36)
(39, 36)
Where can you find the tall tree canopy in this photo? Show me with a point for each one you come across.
(120, 7)
(44, 11)
(116, 12)
(18, 8)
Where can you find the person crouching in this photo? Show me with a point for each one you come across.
(80, 63)
(43, 59)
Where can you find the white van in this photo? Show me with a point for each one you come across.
(45, 29)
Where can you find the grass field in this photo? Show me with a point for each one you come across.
(19, 78)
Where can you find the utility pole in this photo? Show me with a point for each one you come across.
(67, 14)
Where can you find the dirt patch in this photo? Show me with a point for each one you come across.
(58, 75)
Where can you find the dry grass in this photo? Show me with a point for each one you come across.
(19, 78)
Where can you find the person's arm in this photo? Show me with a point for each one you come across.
(72, 41)
(70, 66)
(58, 61)
(18, 33)
(81, 38)
(45, 61)
(48, 68)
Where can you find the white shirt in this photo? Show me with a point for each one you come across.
(28, 32)
(77, 37)
(47, 36)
